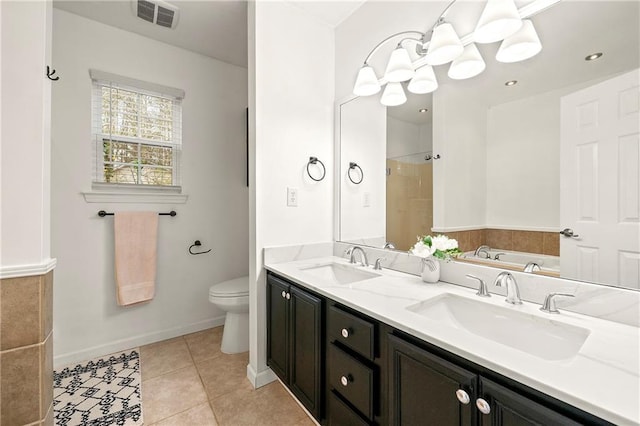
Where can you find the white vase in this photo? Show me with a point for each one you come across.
(430, 270)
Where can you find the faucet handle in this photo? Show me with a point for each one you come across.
(497, 256)
(549, 304)
(378, 265)
(482, 290)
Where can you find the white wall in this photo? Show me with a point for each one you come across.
(26, 142)
(523, 163)
(405, 138)
(363, 130)
(291, 108)
(87, 319)
(459, 176)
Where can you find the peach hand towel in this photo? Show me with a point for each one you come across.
(136, 235)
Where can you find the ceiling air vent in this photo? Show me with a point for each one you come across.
(157, 12)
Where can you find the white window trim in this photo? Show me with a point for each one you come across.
(103, 192)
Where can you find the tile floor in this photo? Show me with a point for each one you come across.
(187, 381)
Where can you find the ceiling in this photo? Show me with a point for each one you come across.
(569, 31)
(213, 28)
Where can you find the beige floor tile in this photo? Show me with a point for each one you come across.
(200, 415)
(269, 405)
(204, 344)
(164, 357)
(224, 374)
(170, 394)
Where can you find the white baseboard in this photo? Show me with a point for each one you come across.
(133, 342)
(260, 379)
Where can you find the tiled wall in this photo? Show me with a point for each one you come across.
(506, 239)
(26, 350)
(409, 202)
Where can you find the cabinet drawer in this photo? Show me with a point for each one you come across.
(351, 331)
(351, 379)
(340, 414)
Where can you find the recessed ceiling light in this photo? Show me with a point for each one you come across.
(511, 83)
(423, 110)
(593, 56)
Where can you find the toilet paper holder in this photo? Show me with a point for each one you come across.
(197, 243)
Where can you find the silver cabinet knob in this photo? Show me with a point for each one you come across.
(345, 380)
(284, 293)
(483, 406)
(345, 332)
(462, 396)
(288, 296)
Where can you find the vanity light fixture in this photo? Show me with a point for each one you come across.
(511, 83)
(593, 56)
(500, 20)
(522, 45)
(467, 65)
(393, 95)
(424, 81)
(399, 67)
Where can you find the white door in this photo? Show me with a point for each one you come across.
(600, 182)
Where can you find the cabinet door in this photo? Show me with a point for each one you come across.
(423, 388)
(511, 409)
(278, 347)
(306, 333)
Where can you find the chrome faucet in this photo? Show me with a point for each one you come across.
(482, 289)
(352, 255)
(389, 245)
(482, 249)
(549, 305)
(513, 293)
(378, 265)
(531, 267)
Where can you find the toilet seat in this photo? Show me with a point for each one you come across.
(237, 287)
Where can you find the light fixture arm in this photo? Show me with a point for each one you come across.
(392, 36)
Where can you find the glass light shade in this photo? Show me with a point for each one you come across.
(399, 67)
(499, 19)
(393, 95)
(522, 45)
(445, 45)
(366, 82)
(467, 65)
(424, 81)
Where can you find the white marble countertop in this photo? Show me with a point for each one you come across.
(602, 379)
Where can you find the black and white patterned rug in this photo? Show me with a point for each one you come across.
(100, 392)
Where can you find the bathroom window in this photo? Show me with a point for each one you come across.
(137, 133)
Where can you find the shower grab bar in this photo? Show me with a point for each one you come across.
(172, 213)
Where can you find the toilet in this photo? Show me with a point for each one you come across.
(233, 297)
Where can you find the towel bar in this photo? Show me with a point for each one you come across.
(172, 213)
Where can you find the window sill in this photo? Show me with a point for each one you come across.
(108, 193)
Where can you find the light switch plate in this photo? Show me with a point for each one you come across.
(366, 199)
(292, 197)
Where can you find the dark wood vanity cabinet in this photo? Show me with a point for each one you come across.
(294, 341)
(424, 389)
(510, 408)
(355, 370)
(349, 369)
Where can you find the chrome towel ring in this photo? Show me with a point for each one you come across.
(314, 160)
(353, 166)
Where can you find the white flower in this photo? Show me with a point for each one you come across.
(443, 243)
(422, 250)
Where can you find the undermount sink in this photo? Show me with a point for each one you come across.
(545, 338)
(339, 273)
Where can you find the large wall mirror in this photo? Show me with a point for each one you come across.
(509, 167)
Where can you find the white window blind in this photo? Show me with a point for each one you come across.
(137, 133)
